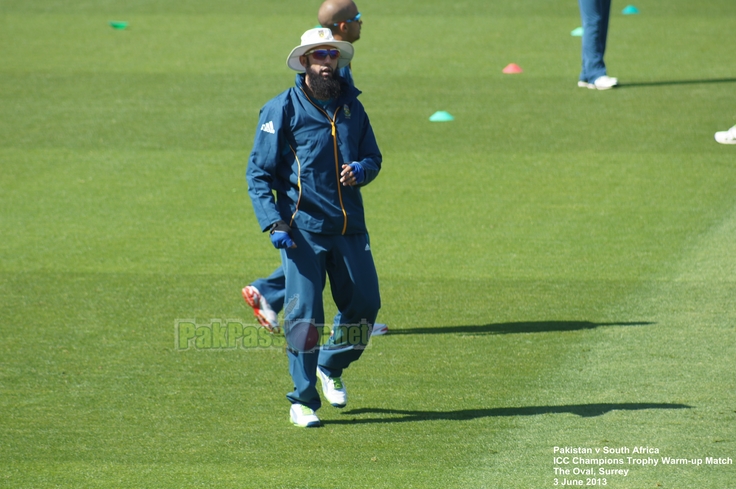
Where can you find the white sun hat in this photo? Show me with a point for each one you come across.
(319, 36)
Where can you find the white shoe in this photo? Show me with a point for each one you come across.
(604, 83)
(601, 83)
(379, 329)
(261, 309)
(304, 417)
(725, 137)
(333, 389)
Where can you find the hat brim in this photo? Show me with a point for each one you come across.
(346, 54)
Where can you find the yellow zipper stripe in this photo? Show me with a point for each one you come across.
(337, 174)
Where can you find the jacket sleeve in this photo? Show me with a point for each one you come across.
(261, 171)
(370, 155)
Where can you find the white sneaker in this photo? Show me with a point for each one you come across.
(333, 389)
(604, 83)
(261, 309)
(379, 329)
(601, 83)
(304, 417)
(727, 137)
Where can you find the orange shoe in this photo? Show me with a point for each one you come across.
(262, 311)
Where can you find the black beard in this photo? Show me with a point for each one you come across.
(324, 88)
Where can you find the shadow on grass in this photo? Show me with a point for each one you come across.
(582, 410)
(675, 82)
(517, 327)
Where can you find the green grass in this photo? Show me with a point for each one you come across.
(557, 265)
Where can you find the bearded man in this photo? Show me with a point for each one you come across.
(315, 149)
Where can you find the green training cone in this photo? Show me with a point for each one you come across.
(630, 10)
(441, 116)
(118, 24)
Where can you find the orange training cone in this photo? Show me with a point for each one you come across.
(512, 68)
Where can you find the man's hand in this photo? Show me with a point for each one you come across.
(352, 174)
(281, 235)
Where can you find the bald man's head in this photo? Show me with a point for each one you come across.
(339, 16)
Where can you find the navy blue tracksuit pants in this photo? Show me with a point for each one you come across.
(348, 261)
(272, 288)
(595, 15)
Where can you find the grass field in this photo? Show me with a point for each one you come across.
(557, 265)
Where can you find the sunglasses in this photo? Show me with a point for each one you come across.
(321, 54)
(354, 19)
